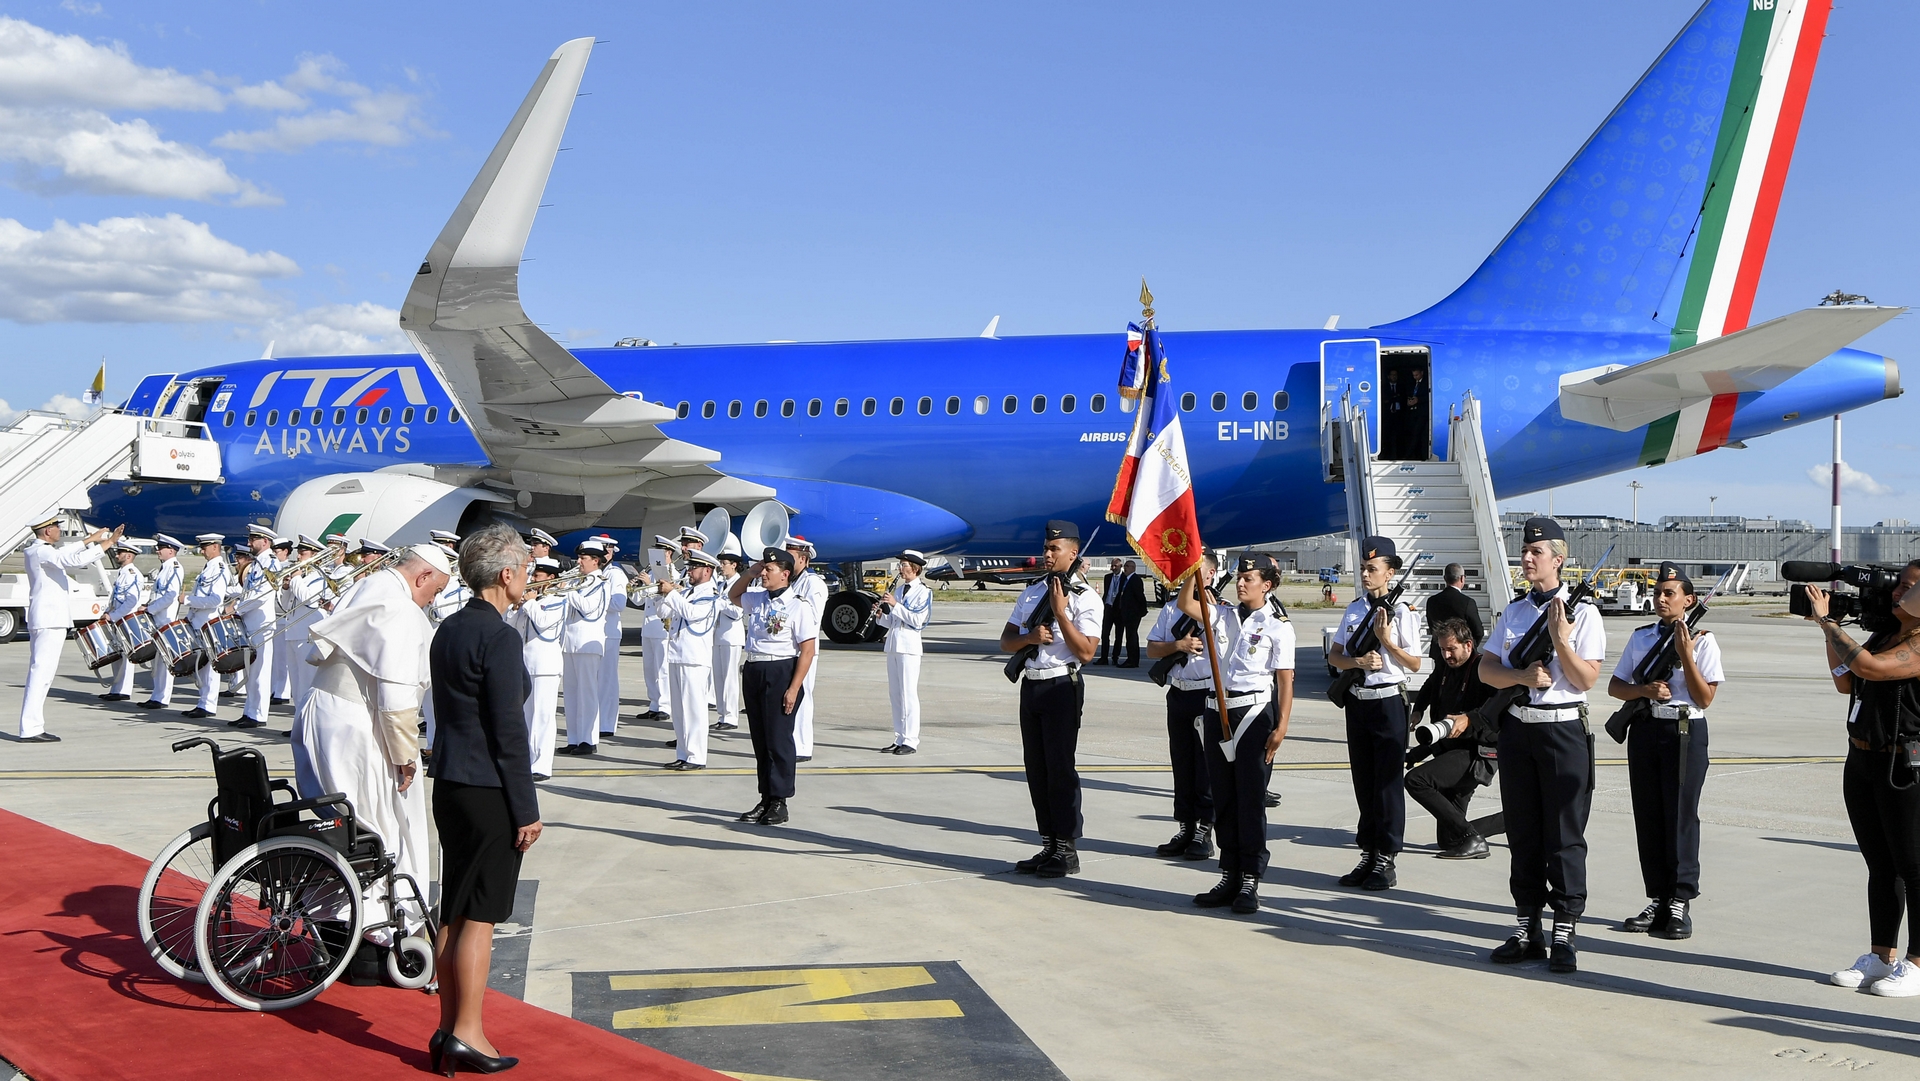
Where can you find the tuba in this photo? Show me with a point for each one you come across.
(765, 527)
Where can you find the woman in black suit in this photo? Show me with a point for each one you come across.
(483, 797)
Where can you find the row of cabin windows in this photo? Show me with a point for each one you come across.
(982, 404)
(295, 416)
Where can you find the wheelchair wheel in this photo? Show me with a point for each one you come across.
(410, 963)
(170, 901)
(279, 923)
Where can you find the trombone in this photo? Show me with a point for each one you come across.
(572, 579)
(338, 585)
(322, 561)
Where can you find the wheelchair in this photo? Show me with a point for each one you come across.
(267, 900)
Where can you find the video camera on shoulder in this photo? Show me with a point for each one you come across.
(1871, 605)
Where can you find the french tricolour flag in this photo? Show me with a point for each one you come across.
(1153, 494)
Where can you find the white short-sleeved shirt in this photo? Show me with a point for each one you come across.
(1404, 630)
(1196, 668)
(778, 626)
(1706, 657)
(1252, 649)
(1589, 641)
(1083, 609)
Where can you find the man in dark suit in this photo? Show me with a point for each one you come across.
(1131, 600)
(1109, 619)
(1450, 603)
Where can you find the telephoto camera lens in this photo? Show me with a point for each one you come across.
(1429, 732)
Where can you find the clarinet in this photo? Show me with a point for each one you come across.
(873, 610)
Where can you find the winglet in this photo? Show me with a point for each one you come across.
(993, 325)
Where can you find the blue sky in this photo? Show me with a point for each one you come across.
(180, 190)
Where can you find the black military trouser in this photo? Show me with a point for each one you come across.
(1666, 808)
(1377, 755)
(1546, 789)
(1239, 789)
(1049, 738)
(1192, 795)
(763, 690)
(1444, 785)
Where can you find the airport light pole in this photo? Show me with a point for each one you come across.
(1711, 500)
(1836, 487)
(1636, 486)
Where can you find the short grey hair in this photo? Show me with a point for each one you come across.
(487, 552)
(1455, 574)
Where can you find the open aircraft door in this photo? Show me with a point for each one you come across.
(1349, 369)
(147, 395)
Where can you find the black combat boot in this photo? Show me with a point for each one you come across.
(1679, 923)
(1222, 893)
(1032, 863)
(1247, 899)
(1382, 877)
(1201, 847)
(1652, 918)
(1565, 957)
(1527, 943)
(1064, 861)
(1179, 843)
(1361, 870)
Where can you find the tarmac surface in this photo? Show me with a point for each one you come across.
(881, 933)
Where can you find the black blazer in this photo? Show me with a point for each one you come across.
(1450, 603)
(480, 687)
(1133, 599)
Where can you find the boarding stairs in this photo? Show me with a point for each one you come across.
(48, 462)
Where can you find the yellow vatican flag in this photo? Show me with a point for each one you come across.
(98, 391)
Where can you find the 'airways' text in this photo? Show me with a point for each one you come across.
(294, 442)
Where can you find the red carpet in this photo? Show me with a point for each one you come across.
(80, 999)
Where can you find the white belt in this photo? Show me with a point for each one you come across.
(1247, 698)
(1672, 713)
(1191, 684)
(1042, 675)
(752, 657)
(1384, 690)
(1545, 714)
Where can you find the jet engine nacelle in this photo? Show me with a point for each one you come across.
(391, 508)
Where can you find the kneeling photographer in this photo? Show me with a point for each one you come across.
(1460, 732)
(1880, 783)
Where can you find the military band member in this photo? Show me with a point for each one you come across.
(691, 615)
(582, 641)
(258, 611)
(541, 620)
(904, 612)
(729, 642)
(542, 545)
(1188, 685)
(610, 657)
(162, 605)
(50, 615)
(1253, 643)
(1546, 753)
(812, 589)
(1667, 755)
(653, 645)
(122, 603)
(1377, 715)
(782, 637)
(1064, 636)
(282, 677)
(212, 590)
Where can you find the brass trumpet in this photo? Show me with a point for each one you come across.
(322, 561)
(573, 579)
(338, 585)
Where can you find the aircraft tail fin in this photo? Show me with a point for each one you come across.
(1660, 223)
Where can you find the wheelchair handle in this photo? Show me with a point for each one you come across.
(195, 742)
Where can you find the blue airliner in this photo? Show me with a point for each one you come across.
(1608, 330)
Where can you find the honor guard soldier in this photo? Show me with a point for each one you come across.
(782, 637)
(904, 611)
(692, 540)
(541, 545)
(653, 642)
(813, 589)
(1546, 753)
(122, 604)
(168, 579)
(1253, 644)
(1377, 714)
(1059, 617)
(50, 615)
(729, 642)
(211, 590)
(583, 639)
(691, 615)
(1667, 752)
(617, 585)
(1189, 682)
(540, 619)
(281, 684)
(258, 610)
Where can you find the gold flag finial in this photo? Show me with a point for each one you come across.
(1146, 301)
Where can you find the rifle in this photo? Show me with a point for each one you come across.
(1184, 627)
(1042, 613)
(1659, 663)
(1364, 639)
(1536, 646)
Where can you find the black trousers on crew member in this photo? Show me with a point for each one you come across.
(1886, 825)
(1666, 807)
(1186, 749)
(1049, 738)
(1444, 785)
(763, 690)
(1240, 789)
(1377, 757)
(1546, 789)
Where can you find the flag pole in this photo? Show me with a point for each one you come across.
(1200, 589)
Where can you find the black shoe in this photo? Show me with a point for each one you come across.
(289, 701)
(433, 1049)
(1650, 917)
(44, 737)
(196, 713)
(1032, 863)
(1383, 876)
(1201, 847)
(151, 704)
(803, 758)
(775, 813)
(1565, 957)
(1222, 893)
(232, 694)
(664, 743)
(245, 722)
(543, 776)
(1098, 660)
(891, 748)
(758, 809)
(1247, 899)
(904, 749)
(1064, 861)
(1679, 923)
(588, 750)
(724, 726)
(1177, 845)
(1360, 871)
(113, 697)
(1527, 943)
(1129, 664)
(454, 1053)
(1473, 848)
(1272, 798)
(678, 763)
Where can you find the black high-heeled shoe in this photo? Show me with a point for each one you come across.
(455, 1053)
(434, 1047)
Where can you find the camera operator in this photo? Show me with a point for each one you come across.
(1879, 783)
(1456, 700)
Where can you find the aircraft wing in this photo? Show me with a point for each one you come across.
(549, 424)
(1757, 358)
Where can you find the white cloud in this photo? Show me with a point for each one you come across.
(134, 270)
(78, 7)
(59, 150)
(39, 67)
(268, 95)
(1851, 479)
(379, 118)
(334, 329)
(64, 404)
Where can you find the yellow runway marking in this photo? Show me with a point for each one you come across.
(790, 997)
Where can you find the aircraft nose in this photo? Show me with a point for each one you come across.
(1894, 390)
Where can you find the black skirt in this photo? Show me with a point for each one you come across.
(479, 867)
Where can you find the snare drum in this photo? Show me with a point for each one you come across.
(225, 641)
(97, 646)
(136, 636)
(177, 647)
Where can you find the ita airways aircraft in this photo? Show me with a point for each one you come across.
(1612, 328)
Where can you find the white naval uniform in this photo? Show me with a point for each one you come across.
(49, 618)
(912, 607)
(452, 597)
(610, 659)
(812, 589)
(539, 622)
(124, 601)
(729, 649)
(212, 588)
(301, 596)
(653, 656)
(582, 640)
(280, 676)
(258, 608)
(690, 615)
(162, 606)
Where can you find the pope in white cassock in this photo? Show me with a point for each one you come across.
(360, 724)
